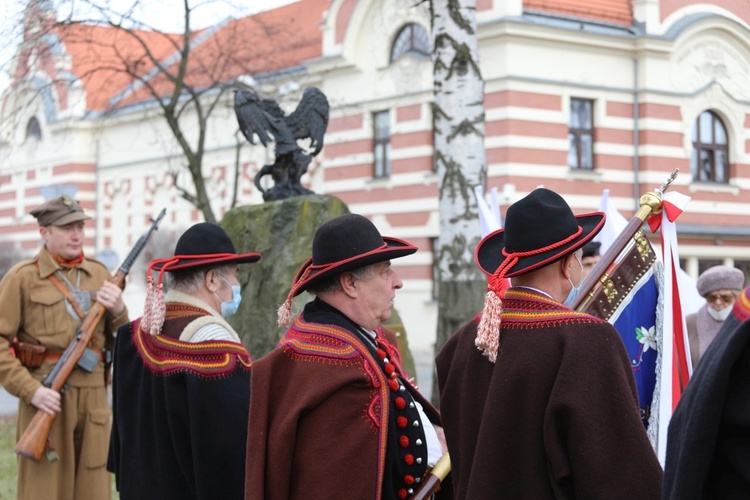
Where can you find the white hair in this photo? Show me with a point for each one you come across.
(191, 280)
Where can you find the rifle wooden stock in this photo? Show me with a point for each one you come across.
(431, 483)
(33, 441)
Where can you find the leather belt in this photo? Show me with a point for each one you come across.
(54, 356)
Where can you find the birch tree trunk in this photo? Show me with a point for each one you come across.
(458, 123)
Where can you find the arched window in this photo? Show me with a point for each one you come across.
(710, 159)
(411, 38)
(33, 130)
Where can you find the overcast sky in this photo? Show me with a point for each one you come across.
(163, 14)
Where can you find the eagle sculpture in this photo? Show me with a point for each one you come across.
(265, 119)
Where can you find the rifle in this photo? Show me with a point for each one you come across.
(431, 482)
(600, 280)
(34, 440)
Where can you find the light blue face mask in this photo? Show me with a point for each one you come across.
(230, 307)
(573, 295)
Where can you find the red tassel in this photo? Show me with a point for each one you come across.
(158, 311)
(488, 332)
(285, 312)
(148, 304)
(154, 308)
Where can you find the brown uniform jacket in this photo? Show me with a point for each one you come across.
(33, 310)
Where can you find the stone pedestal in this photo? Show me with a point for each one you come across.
(282, 231)
(395, 324)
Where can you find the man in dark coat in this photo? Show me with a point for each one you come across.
(181, 385)
(332, 414)
(538, 401)
(708, 444)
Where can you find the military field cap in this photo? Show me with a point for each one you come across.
(59, 211)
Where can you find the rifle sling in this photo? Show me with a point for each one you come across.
(68, 296)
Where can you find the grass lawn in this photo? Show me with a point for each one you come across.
(9, 463)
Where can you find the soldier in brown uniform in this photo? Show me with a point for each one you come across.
(42, 301)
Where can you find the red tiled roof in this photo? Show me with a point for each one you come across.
(611, 11)
(264, 42)
(100, 54)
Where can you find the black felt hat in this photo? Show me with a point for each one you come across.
(203, 244)
(539, 229)
(591, 249)
(346, 242)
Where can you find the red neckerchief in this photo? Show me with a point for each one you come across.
(70, 264)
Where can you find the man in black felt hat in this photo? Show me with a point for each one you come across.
(332, 414)
(537, 400)
(181, 386)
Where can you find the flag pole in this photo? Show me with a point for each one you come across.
(599, 277)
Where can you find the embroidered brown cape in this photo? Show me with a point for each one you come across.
(555, 417)
(325, 420)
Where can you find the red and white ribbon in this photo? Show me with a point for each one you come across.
(675, 365)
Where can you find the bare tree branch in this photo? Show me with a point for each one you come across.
(186, 75)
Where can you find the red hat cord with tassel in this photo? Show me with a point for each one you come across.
(488, 331)
(154, 308)
(284, 312)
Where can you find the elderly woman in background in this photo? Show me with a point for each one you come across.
(719, 285)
